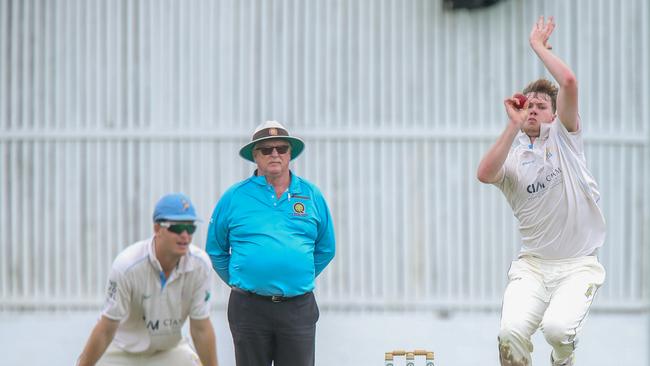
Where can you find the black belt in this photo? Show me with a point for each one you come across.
(273, 298)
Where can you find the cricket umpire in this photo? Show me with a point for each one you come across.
(269, 237)
(153, 287)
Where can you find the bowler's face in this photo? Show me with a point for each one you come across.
(540, 110)
(276, 163)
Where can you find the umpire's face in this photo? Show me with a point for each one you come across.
(272, 157)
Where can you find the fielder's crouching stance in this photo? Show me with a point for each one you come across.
(538, 162)
(153, 287)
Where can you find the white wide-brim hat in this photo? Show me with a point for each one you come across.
(271, 130)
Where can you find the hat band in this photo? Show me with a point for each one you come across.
(270, 132)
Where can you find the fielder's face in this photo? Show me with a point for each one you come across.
(171, 244)
(276, 162)
(540, 110)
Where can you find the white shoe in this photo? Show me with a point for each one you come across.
(568, 362)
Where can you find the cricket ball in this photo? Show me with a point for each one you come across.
(521, 100)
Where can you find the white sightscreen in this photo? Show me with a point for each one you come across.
(107, 105)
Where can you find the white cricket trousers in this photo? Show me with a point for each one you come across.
(554, 295)
(181, 355)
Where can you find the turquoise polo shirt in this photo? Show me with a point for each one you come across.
(269, 245)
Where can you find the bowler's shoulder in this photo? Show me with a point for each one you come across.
(559, 128)
(132, 256)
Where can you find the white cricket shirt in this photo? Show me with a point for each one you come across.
(553, 195)
(152, 310)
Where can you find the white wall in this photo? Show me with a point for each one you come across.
(107, 105)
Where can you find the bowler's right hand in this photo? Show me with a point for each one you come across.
(517, 116)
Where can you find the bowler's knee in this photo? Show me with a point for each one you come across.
(512, 347)
(512, 332)
(557, 333)
(507, 334)
(507, 337)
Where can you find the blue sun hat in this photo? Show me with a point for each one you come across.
(271, 130)
(175, 207)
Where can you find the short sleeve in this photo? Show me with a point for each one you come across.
(118, 296)
(507, 174)
(572, 140)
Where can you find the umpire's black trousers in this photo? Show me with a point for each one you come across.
(265, 331)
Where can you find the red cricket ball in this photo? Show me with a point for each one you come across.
(521, 100)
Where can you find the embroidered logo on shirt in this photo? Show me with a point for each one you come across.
(590, 290)
(111, 290)
(298, 209)
(162, 324)
(207, 296)
(550, 180)
(548, 153)
(535, 187)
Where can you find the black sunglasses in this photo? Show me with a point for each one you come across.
(282, 149)
(179, 228)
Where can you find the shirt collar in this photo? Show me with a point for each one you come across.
(258, 179)
(294, 183)
(294, 186)
(544, 131)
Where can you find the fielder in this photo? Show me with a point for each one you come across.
(153, 287)
(539, 164)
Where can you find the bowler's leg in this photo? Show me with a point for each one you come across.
(568, 310)
(522, 311)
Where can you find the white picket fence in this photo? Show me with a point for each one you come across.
(107, 105)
